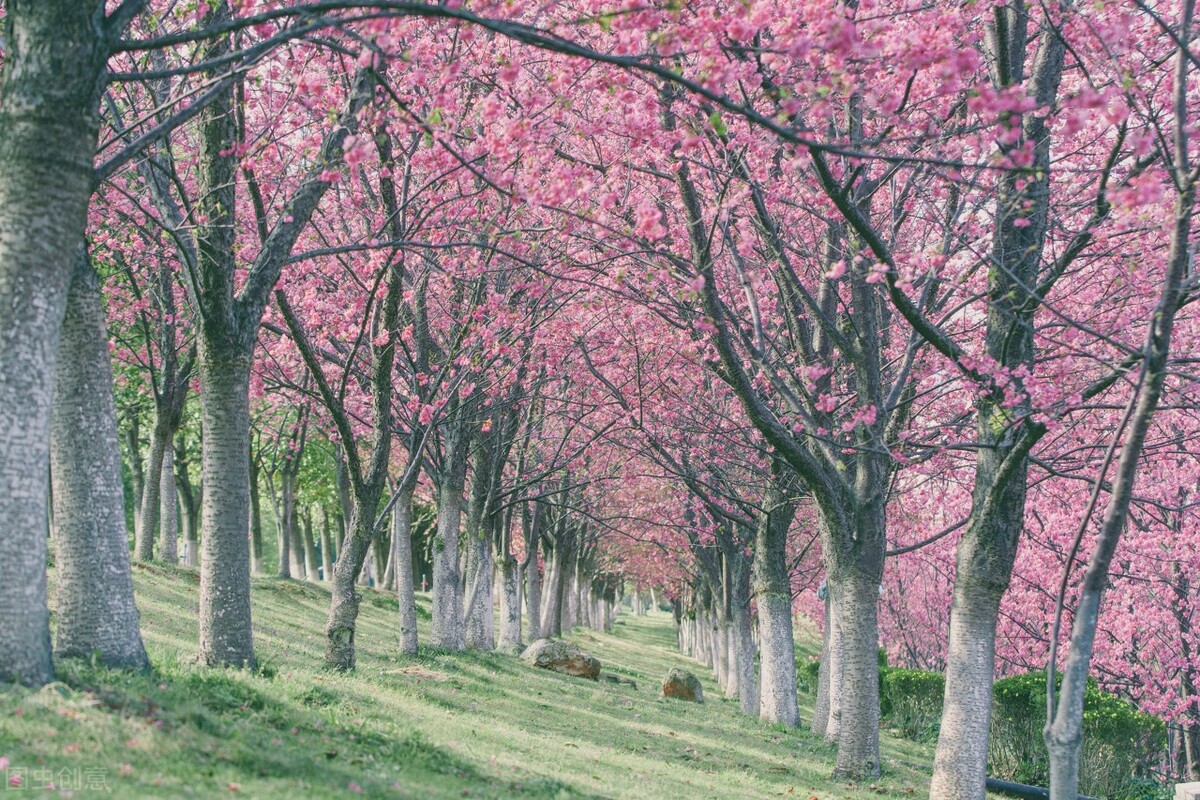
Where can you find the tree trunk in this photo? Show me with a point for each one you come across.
(510, 604)
(191, 511)
(168, 516)
(533, 593)
(858, 733)
(256, 532)
(310, 549)
(326, 547)
(364, 577)
(338, 536)
(1191, 748)
(571, 606)
(403, 557)
(389, 574)
(96, 611)
(549, 609)
(283, 528)
(773, 595)
(226, 636)
(383, 548)
(137, 474)
(822, 708)
(52, 81)
(960, 765)
(558, 591)
(341, 625)
(446, 628)
(479, 610)
(743, 652)
(160, 442)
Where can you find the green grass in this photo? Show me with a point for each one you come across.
(438, 725)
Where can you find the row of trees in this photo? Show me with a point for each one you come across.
(697, 295)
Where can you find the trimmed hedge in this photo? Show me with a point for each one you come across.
(911, 701)
(1121, 745)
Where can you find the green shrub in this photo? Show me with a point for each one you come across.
(808, 674)
(911, 701)
(1121, 745)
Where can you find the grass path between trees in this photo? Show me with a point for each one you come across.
(438, 725)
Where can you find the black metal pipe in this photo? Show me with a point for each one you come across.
(1022, 790)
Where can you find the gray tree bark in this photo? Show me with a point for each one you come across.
(533, 586)
(326, 546)
(191, 510)
(310, 549)
(820, 721)
(446, 629)
(960, 764)
(858, 734)
(402, 547)
(226, 633)
(510, 604)
(256, 526)
(137, 473)
(773, 594)
(168, 515)
(96, 610)
(742, 644)
(341, 625)
(478, 609)
(147, 530)
(285, 524)
(53, 77)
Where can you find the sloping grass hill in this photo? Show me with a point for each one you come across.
(438, 725)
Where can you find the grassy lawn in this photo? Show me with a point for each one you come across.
(438, 725)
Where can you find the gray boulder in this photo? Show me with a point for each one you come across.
(559, 656)
(682, 685)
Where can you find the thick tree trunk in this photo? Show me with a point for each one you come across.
(510, 605)
(389, 574)
(719, 641)
(168, 515)
(446, 629)
(160, 442)
(96, 611)
(960, 765)
(48, 123)
(571, 606)
(364, 574)
(587, 602)
(479, 611)
(1191, 748)
(858, 734)
(311, 558)
(557, 615)
(256, 532)
(383, 550)
(551, 619)
(341, 625)
(533, 594)
(821, 710)
(283, 528)
(743, 679)
(402, 548)
(137, 474)
(226, 636)
(326, 547)
(191, 513)
(773, 595)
